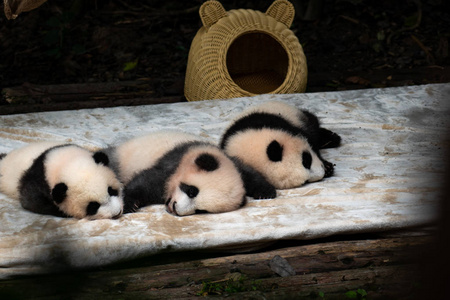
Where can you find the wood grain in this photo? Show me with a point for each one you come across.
(385, 267)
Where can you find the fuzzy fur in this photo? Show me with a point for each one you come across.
(61, 180)
(274, 138)
(156, 167)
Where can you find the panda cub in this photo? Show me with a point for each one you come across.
(184, 172)
(63, 180)
(282, 142)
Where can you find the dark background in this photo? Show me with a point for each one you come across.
(349, 44)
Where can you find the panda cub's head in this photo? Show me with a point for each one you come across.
(206, 180)
(282, 142)
(286, 160)
(81, 184)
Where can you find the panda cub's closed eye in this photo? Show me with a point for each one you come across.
(92, 208)
(190, 190)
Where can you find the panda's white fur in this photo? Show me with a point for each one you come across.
(61, 179)
(296, 139)
(142, 152)
(182, 171)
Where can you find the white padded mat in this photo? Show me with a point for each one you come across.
(388, 175)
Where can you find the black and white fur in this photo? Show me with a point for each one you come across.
(282, 142)
(63, 180)
(185, 173)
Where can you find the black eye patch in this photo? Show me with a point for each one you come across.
(207, 162)
(275, 151)
(190, 190)
(92, 208)
(306, 159)
(112, 192)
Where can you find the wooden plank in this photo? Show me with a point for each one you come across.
(29, 98)
(385, 268)
(110, 102)
(32, 93)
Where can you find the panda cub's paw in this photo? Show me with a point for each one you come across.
(329, 168)
(265, 191)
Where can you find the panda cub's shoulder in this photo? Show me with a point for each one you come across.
(16, 162)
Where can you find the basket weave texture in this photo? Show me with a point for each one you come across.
(244, 52)
(13, 8)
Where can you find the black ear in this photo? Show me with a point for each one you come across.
(275, 151)
(59, 192)
(101, 158)
(207, 162)
(328, 139)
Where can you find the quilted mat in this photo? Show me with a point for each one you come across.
(388, 175)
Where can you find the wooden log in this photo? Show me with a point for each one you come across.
(386, 268)
(73, 105)
(32, 93)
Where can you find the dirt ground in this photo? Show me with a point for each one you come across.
(349, 44)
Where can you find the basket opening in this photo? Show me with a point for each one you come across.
(257, 62)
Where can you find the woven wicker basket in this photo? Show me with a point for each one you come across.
(244, 53)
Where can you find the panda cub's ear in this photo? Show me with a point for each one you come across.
(59, 192)
(207, 162)
(328, 139)
(101, 158)
(275, 151)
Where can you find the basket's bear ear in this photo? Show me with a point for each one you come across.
(283, 11)
(210, 12)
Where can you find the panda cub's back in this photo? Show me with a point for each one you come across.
(143, 152)
(16, 162)
(294, 116)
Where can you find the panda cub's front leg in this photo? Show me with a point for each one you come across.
(144, 189)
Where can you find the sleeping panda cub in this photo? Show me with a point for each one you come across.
(282, 142)
(185, 173)
(63, 180)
